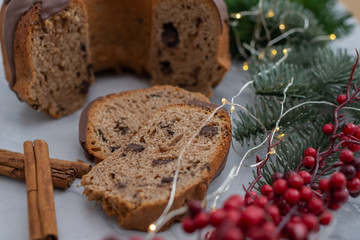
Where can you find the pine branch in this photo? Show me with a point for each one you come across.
(247, 130)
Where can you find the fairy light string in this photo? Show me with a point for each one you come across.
(167, 214)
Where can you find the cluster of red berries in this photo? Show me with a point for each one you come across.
(260, 217)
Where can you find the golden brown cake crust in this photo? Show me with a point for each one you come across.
(102, 183)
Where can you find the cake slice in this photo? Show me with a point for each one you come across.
(189, 44)
(51, 54)
(108, 123)
(134, 184)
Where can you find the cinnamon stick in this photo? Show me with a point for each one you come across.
(60, 178)
(45, 190)
(16, 160)
(35, 229)
(41, 207)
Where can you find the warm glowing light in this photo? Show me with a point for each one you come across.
(274, 52)
(277, 129)
(282, 27)
(270, 13)
(280, 136)
(272, 151)
(225, 101)
(152, 227)
(238, 15)
(285, 51)
(232, 109)
(245, 66)
(332, 37)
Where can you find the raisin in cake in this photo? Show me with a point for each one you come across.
(50, 48)
(134, 184)
(108, 123)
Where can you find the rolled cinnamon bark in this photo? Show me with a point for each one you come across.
(45, 192)
(16, 160)
(35, 228)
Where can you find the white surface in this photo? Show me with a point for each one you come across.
(76, 217)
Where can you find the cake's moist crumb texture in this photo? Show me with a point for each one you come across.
(53, 70)
(111, 121)
(134, 184)
(189, 50)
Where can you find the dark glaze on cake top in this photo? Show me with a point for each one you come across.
(15, 9)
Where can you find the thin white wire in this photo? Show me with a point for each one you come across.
(163, 216)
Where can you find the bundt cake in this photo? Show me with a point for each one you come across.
(108, 123)
(50, 48)
(134, 183)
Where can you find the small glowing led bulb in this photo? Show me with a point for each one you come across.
(285, 51)
(232, 109)
(224, 101)
(270, 13)
(274, 52)
(238, 15)
(152, 227)
(332, 37)
(282, 27)
(245, 66)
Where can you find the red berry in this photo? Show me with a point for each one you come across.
(334, 206)
(310, 152)
(195, 207)
(201, 220)
(157, 238)
(264, 232)
(280, 186)
(249, 201)
(309, 162)
(337, 180)
(188, 225)
(305, 194)
(346, 156)
(233, 234)
(354, 147)
(341, 99)
(349, 171)
(252, 216)
(292, 196)
(274, 213)
(355, 195)
(261, 201)
(217, 217)
(310, 221)
(349, 128)
(132, 238)
(357, 133)
(356, 164)
(316, 205)
(325, 218)
(266, 190)
(340, 196)
(328, 129)
(277, 176)
(233, 217)
(353, 185)
(297, 231)
(306, 176)
(324, 184)
(234, 203)
(358, 174)
(295, 181)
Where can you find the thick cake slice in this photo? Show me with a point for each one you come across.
(189, 44)
(50, 52)
(108, 123)
(134, 184)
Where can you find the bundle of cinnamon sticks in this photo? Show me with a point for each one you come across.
(41, 174)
